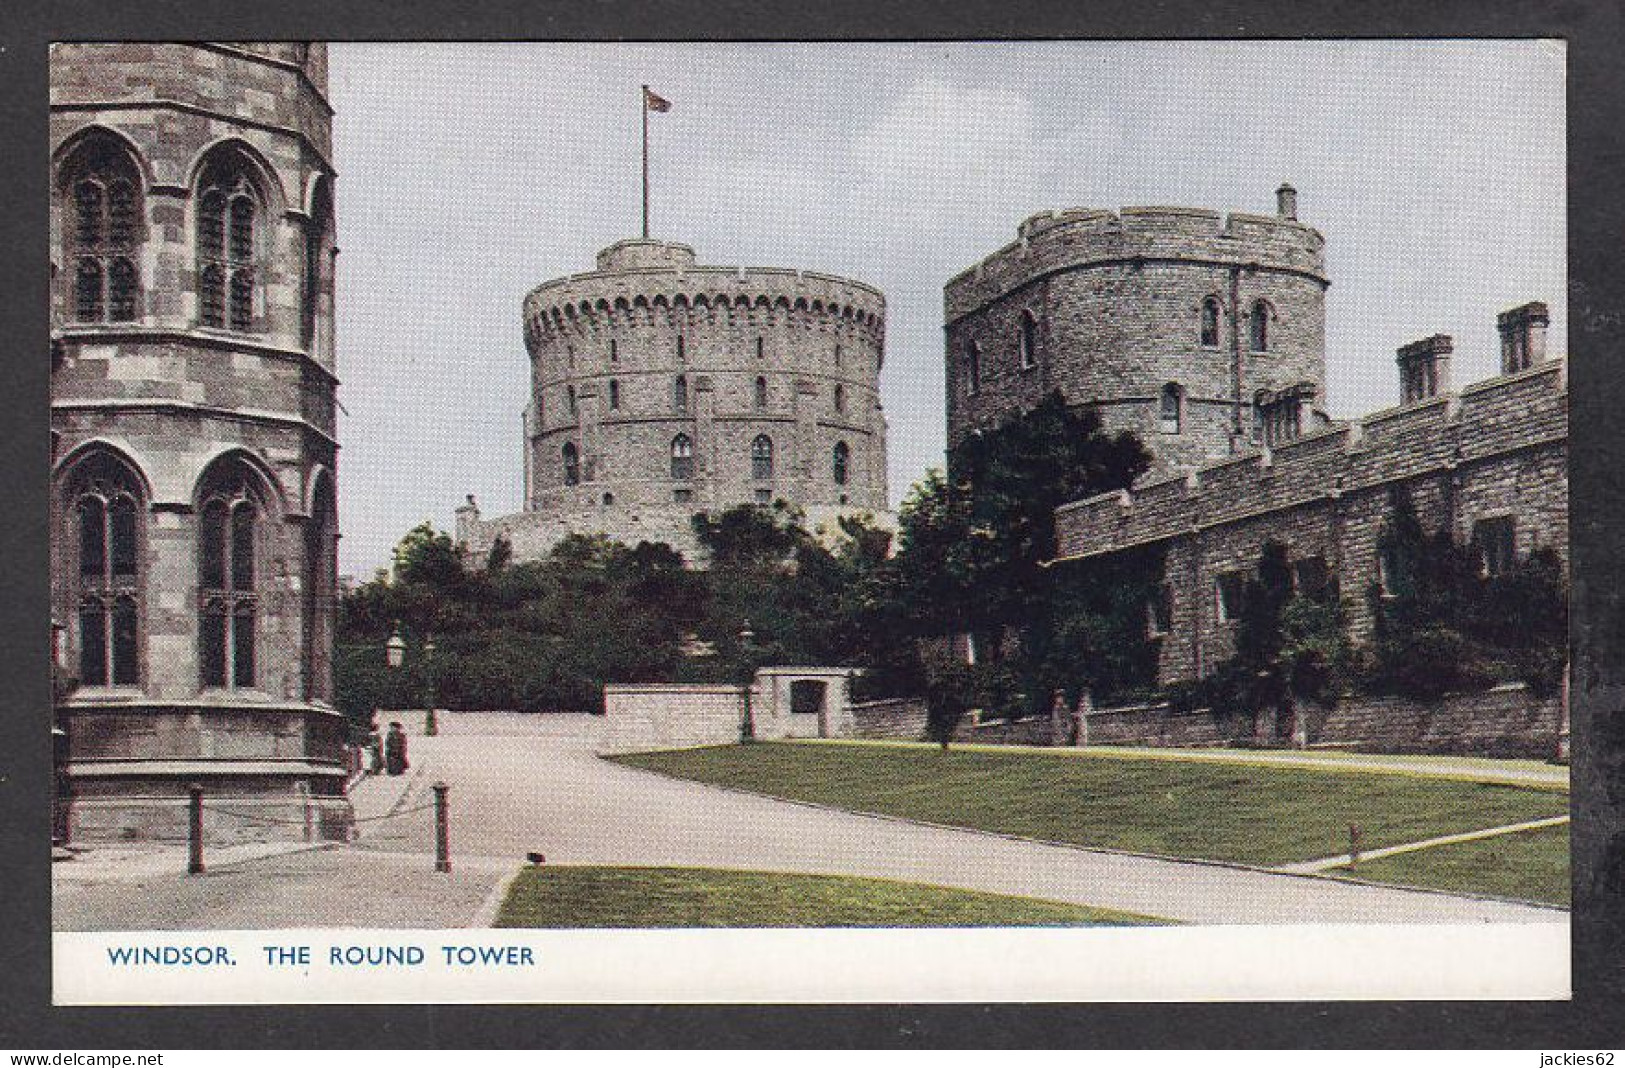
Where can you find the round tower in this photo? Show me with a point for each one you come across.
(1202, 334)
(662, 388)
(194, 524)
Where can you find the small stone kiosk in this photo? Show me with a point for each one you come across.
(780, 702)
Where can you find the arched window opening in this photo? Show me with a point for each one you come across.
(106, 506)
(228, 213)
(570, 400)
(679, 394)
(1259, 334)
(614, 352)
(1028, 341)
(837, 355)
(973, 367)
(228, 574)
(761, 392)
(682, 458)
(761, 457)
(572, 464)
(1210, 322)
(316, 321)
(761, 348)
(104, 234)
(840, 397)
(614, 395)
(1172, 413)
(842, 459)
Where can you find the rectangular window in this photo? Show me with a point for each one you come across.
(682, 496)
(1231, 590)
(1496, 542)
(764, 496)
(1159, 611)
(1310, 577)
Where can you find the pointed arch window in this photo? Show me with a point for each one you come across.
(1258, 336)
(228, 574)
(682, 458)
(107, 509)
(761, 392)
(228, 215)
(1028, 342)
(679, 394)
(761, 457)
(572, 464)
(1210, 323)
(103, 190)
(973, 367)
(841, 462)
(316, 324)
(1171, 413)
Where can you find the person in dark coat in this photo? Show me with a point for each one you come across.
(395, 750)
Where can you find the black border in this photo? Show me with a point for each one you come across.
(1595, 31)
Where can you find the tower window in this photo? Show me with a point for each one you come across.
(1210, 323)
(837, 355)
(614, 352)
(614, 395)
(761, 392)
(682, 349)
(841, 460)
(228, 212)
(973, 367)
(104, 234)
(572, 464)
(227, 581)
(570, 399)
(682, 458)
(1028, 342)
(761, 457)
(761, 349)
(840, 398)
(1259, 327)
(679, 394)
(107, 511)
(1171, 415)
(1496, 543)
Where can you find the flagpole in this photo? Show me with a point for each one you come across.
(643, 105)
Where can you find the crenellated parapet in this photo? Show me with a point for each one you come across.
(1081, 237)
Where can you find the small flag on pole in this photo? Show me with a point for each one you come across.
(654, 101)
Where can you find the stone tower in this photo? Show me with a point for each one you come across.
(192, 433)
(1202, 334)
(660, 389)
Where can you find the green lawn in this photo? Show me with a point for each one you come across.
(711, 897)
(1529, 866)
(1254, 814)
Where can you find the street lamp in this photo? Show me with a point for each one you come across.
(395, 648)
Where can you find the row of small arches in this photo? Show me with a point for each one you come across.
(682, 460)
(559, 315)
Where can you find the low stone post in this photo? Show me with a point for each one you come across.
(1060, 722)
(1354, 846)
(1080, 718)
(442, 829)
(194, 829)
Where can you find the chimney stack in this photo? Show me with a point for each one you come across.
(1286, 202)
(1424, 368)
(1523, 336)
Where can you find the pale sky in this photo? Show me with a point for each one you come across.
(470, 173)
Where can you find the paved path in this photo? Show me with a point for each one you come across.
(1343, 860)
(526, 783)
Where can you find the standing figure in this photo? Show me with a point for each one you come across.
(395, 749)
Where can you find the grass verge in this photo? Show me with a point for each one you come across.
(1252, 814)
(590, 896)
(1529, 866)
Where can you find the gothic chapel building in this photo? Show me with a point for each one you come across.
(192, 435)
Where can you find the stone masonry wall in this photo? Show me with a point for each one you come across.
(1498, 449)
(1117, 299)
(608, 349)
